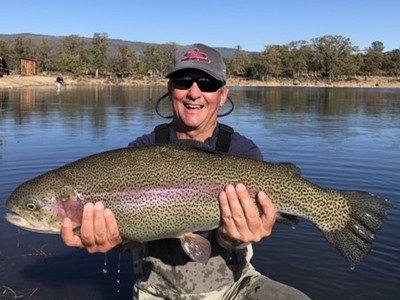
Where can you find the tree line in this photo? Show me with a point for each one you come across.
(330, 56)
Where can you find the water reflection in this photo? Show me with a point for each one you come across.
(316, 101)
(342, 138)
(320, 101)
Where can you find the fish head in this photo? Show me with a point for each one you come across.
(39, 207)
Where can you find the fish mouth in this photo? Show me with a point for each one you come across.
(23, 223)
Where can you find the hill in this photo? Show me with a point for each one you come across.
(56, 41)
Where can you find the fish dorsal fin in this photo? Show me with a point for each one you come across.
(196, 247)
(290, 167)
(192, 144)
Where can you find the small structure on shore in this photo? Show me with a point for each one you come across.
(28, 66)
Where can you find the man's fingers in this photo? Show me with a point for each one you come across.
(99, 224)
(235, 204)
(242, 219)
(112, 227)
(249, 209)
(99, 229)
(228, 223)
(68, 236)
(87, 225)
(268, 216)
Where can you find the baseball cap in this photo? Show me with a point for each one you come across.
(201, 57)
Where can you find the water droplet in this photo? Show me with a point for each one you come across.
(118, 270)
(105, 264)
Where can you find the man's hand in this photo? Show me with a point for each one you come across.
(99, 230)
(242, 223)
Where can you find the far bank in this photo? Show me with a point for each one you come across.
(17, 81)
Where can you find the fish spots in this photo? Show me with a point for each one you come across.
(165, 191)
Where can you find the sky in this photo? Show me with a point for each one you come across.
(251, 24)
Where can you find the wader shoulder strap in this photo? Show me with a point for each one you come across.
(162, 133)
(223, 140)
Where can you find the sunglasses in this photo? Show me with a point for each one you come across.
(206, 85)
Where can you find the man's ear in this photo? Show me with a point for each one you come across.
(169, 88)
(224, 97)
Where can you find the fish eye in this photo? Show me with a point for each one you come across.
(31, 206)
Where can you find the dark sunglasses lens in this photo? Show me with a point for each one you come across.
(209, 85)
(205, 84)
(182, 83)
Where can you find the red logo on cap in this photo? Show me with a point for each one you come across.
(195, 55)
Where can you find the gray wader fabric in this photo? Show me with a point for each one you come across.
(252, 286)
(229, 275)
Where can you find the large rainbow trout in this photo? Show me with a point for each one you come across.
(171, 191)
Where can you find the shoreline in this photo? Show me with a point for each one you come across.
(18, 81)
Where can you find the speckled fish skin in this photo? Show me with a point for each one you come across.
(165, 191)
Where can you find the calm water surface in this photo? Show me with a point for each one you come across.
(341, 138)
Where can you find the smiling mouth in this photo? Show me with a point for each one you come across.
(192, 106)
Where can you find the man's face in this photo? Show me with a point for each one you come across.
(196, 99)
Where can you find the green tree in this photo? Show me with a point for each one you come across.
(299, 58)
(157, 59)
(98, 52)
(21, 47)
(5, 52)
(373, 59)
(257, 68)
(72, 56)
(332, 53)
(44, 55)
(391, 64)
(238, 65)
(272, 59)
(124, 62)
(5, 49)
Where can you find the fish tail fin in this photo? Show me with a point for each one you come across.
(368, 212)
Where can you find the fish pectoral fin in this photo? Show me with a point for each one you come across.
(287, 219)
(196, 247)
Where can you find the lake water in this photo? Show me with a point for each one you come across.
(340, 138)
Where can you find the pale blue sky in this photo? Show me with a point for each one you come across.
(252, 24)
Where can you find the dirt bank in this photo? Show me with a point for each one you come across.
(16, 81)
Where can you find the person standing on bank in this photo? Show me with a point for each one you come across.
(197, 89)
(59, 82)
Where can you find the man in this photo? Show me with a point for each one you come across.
(197, 90)
(60, 82)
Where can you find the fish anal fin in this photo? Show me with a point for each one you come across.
(287, 219)
(196, 247)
